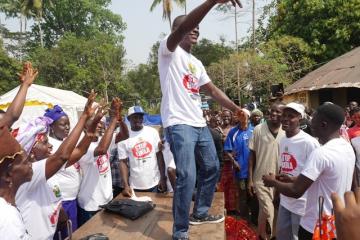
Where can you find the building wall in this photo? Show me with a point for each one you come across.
(311, 99)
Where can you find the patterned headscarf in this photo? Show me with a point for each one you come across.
(28, 134)
(54, 113)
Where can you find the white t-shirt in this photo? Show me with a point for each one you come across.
(294, 153)
(11, 224)
(355, 142)
(331, 167)
(38, 205)
(68, 178)
(181, 76)
(96, 182)
(141, 148)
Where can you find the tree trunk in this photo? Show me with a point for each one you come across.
(40, 32)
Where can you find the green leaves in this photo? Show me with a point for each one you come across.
(330, 27)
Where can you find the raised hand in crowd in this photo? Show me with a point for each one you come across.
(90, 134)
(15, 109)
(105, 141)
(90, 109)
(347, 217)
(28, 74)
(64, 152)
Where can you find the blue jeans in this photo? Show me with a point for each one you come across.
(184, 142)
(287, 225)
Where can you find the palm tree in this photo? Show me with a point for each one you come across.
(168, 7)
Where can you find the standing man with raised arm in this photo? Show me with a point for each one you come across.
(181, 77)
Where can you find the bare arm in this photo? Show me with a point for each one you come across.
(59, 158)
(105, 141)
(161, 164)
(291, 189)
(85, 142)
(124, 172)
(192, 20)
(123, 134)
(220, 97)
(252, 163)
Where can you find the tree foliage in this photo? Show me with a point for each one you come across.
(9, 67)
(79, 64)
(248, 73)
(82, 18)
(330, 27)
(208, 51)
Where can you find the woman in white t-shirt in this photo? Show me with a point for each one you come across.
(39, 205)
(96, 184)
(67, 179)
(15, 169)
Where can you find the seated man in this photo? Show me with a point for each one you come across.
(146, 164)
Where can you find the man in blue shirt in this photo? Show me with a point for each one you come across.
(236, 147)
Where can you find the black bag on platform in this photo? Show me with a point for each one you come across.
(129, 208)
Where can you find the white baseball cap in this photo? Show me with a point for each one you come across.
(297, 107)
(135, 109)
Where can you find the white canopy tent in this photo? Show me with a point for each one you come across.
(39, 98)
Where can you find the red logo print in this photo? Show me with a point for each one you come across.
(190, 83)
(288, 163)
(142, 149)
(55, 215)
(102, 163)
(77, 166)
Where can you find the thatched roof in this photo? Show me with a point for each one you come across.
(343, 71)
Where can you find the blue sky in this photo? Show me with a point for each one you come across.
(144, 28)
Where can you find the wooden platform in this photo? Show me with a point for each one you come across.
(156, 224)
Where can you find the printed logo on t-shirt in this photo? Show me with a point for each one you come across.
(103, 163)
(190, 83)
(55, 215)
(288, 163)
(57, 191)
(142, 149)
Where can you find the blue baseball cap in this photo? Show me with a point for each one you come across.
(135, 110)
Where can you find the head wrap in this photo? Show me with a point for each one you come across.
(28, 134)
(10, 148)
(55, 113)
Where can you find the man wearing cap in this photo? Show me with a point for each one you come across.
(295, 148)
(237, 149)
(141, 149)
(329, 169)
